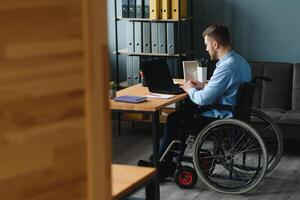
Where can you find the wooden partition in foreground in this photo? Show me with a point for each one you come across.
(43, 120)
(97, 103)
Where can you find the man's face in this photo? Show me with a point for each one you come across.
(211, 47)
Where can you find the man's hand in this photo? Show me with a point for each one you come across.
(198, 85)
(188, 85)
(192, 84)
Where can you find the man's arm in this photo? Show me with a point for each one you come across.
(215, 88)
(199, 85)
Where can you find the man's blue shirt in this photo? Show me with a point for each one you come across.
(230, 72)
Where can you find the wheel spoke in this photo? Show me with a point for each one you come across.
(265, 129)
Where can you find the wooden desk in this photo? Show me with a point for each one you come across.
(127, 179)
(151, 106)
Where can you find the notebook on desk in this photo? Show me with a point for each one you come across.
(158, 77)
(131, 99)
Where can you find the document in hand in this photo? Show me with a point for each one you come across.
(190, 70)
(131, 99)
(193, 71)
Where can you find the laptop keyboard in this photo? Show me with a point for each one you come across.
(175, 89)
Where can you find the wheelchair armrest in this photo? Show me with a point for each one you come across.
(205, 108)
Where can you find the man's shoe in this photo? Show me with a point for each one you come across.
(165, 169)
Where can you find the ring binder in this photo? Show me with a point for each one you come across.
(139, 8)
(162, 38)
(132, 8)
(138, 37)
(146, 37)
(175, 8)
(154, 9)
(125, 8)
(166, 8)
(146, 9)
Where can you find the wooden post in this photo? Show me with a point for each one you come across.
(97, 103)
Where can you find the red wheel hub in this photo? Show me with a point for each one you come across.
(185, 178)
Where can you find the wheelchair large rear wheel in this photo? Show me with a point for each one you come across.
(237, 156)
(271, 134)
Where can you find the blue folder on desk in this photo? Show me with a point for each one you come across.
(131, 99)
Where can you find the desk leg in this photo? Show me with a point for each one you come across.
(119, 123)
(152, 190)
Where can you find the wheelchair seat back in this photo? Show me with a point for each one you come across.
(244, 101)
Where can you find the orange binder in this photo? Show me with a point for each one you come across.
(175, 8)
(154, 9)
(166, 9)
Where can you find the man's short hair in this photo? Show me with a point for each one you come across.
(220, 33)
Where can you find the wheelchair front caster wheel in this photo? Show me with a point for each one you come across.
(186, 177)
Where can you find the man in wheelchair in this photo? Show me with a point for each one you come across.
(231, 70)
(228, 142)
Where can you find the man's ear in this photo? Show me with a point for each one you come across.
(215, 44)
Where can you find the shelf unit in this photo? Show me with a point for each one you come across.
(127, 53)
(153, 20)
(179, 56)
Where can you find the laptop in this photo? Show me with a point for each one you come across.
(158, 77)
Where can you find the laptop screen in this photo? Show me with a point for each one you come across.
(157, 73)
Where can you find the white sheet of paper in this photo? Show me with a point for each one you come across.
(160, 96)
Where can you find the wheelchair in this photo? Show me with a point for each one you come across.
(230, 155)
